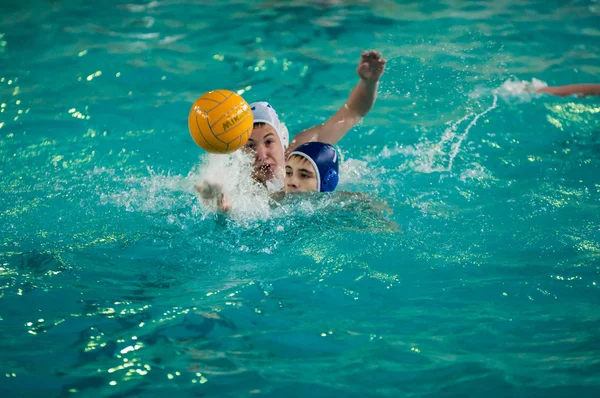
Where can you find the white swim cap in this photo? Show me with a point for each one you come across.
(263, 112)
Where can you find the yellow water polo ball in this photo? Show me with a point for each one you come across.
(220, 121)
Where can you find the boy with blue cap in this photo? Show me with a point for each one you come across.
(312, 167)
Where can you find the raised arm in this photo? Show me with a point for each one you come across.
(361, 100)
(581, 90)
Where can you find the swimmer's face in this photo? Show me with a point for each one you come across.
(300, 175)
(265, 146)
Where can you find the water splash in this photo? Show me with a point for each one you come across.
(153, 193)
(456, 147)
(250, 201)
(159, 192)
(359, 172)
(436, 157)
(513, 90)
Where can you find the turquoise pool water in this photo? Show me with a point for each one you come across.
(471, 268)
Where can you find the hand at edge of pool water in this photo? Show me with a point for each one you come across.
(580, 90)
(211, 193)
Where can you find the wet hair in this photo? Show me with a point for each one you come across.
(259, 124)
(299, 158)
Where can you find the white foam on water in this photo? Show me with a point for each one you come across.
(249, 199)
(514, 90)
(359, 172)
(175, 196)
(159, 192)
(520, 90)
(476, 173)
(153, 193)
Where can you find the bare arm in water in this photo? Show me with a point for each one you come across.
(361, 100)
(581, 90)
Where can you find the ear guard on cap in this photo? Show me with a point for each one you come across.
(330, 181)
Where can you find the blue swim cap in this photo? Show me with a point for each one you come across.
(324, 159)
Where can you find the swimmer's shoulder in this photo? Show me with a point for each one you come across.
(364, 199)
(352, 195)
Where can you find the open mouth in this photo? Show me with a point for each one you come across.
(263, 172)
(265, 169)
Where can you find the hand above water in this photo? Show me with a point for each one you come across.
(360, 101)
(371, 66)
